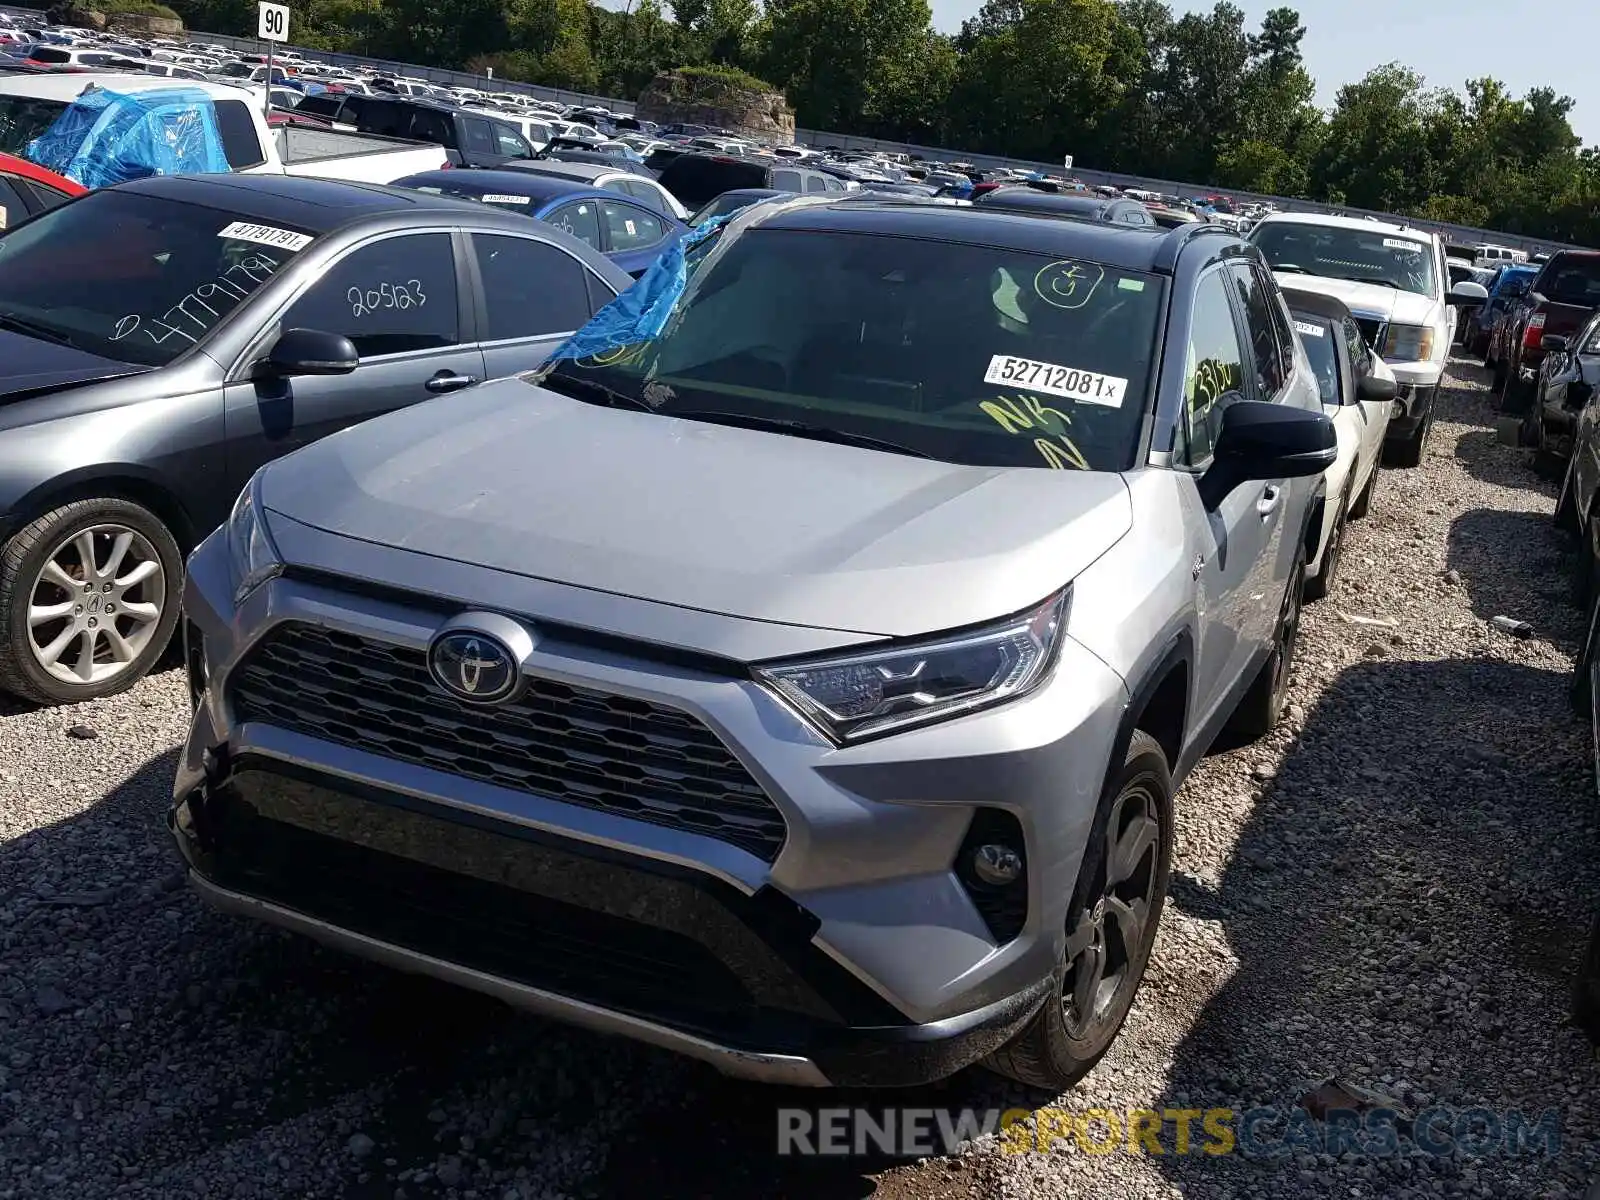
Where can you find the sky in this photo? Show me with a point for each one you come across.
(1446, 41)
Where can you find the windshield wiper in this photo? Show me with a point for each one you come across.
(43, 332)
(591, 392)
(820, 433)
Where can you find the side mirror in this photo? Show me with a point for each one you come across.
(1555, 344)
(1467, 292)
(309, 352)
(1375, 387)
(1267, 441)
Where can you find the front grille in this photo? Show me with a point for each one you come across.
(1372, 331)
(593, 749)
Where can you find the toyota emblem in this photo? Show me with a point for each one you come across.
(473, 666)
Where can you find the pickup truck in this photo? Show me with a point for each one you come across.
(30, 104)
(479, 141)
(1561, 298)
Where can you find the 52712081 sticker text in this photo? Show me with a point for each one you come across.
(1070, 383)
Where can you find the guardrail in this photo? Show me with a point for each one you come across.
(1466, 234)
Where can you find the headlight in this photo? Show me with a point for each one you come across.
(1409, 343)
(852, 697)
(250, 550)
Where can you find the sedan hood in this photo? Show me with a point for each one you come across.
(30, 364)
(1368, 299)
(757, 525)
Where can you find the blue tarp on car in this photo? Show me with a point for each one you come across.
(108, 137)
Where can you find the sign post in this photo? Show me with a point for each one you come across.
(273, 27)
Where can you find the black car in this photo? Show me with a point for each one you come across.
(478, 141)
(163, 339)
(1082, 205)
(697, 178)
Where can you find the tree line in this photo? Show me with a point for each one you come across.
(1122, 85)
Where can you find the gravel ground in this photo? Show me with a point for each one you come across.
(1391, 890)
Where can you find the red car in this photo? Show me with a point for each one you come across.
(26, 189)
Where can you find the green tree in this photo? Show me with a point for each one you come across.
(839, 60)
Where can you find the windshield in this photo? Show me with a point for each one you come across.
(968, 354)
(23, 118)
(135, 278)
(1315, 337)
(1359, 255)
(728, 202)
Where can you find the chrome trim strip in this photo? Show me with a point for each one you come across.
(742, 1064)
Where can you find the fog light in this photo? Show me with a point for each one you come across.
(996, 865)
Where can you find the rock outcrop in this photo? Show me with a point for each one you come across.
(720, 99)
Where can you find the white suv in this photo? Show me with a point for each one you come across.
(1394, 281)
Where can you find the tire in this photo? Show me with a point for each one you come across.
(1262, 705)
(1320, 584)
(1497, 376)
(1363, 504)
(1057, 1047)
(141, 614)
(1515, 392)
(1408, 453)
(1579, 689)
(1586, 988)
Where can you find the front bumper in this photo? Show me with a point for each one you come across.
(1413, 403)
(855, 955)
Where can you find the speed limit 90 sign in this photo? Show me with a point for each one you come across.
(274, 23)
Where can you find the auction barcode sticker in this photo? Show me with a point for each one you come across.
(1310, 330)
(1070, 383)
(265, 235)
(498, 198)
(1402, 244)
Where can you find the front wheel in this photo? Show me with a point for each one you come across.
(90, 592)
(1111, 926)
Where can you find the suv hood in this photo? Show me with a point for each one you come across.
(30, 364)
(1369, 299)
(744, 523)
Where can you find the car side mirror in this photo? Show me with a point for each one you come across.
(1376, 387)
(1553, 343)
(1467, 292)
(309, 352)
(1260, 441)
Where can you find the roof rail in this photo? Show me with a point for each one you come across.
(1172, 245)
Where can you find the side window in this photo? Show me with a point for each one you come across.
(600, 293)
(786, 181)
(1266, 358)
(509, 142)
(45, 197)
(1214, 367)
(480, 138)
(642, 191)
(12, 207)
(818, 183)
(529, 288)
(388, 297)
(581, 219)
(1280, 318)
(630, 227)
(429, 126)
(1360, 356)
(240, 144)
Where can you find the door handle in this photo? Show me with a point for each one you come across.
(1270, 495)
(449, 381)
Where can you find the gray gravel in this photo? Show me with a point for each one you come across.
(1392, 889)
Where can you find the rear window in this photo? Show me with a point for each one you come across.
(22, 119)
(238, 129)
(134, 278)
(47, 54)
(968, 354)
(695, 179)
(1571, 279)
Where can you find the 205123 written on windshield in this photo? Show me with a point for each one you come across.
(1070, 383)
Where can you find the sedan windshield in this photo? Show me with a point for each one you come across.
(135, 278)
(1359, 255)
(968, 354)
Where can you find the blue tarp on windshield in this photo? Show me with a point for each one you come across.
(107, 137)
(641, 312)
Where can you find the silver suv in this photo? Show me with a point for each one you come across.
(801, 686)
